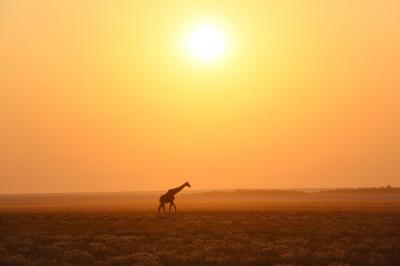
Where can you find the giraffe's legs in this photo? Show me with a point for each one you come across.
(159, 208)
(173, 204)
(170, 205)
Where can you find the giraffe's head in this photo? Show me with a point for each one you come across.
(187, 184)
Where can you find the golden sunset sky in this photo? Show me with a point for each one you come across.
(107, 95)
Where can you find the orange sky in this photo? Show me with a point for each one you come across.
(101, 96)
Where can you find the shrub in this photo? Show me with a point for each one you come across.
(140, 258)
(79, 257)
(18, 260)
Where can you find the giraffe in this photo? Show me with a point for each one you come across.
(169, 198)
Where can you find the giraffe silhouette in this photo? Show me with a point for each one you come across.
(169, 198)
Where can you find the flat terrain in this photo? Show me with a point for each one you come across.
(209, 229)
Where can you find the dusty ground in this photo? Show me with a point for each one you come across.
(315, 233)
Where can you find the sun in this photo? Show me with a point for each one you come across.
(206, 43)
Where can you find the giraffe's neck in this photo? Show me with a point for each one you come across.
(176, 190)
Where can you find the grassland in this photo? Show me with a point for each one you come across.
(240, 228)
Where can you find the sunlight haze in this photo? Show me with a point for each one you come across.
(145, 95)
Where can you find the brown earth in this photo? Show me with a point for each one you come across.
(123, 229)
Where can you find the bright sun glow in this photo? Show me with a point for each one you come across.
(206, 43)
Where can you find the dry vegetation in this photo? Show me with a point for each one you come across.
(253, 233)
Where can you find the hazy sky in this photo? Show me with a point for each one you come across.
(103, 96)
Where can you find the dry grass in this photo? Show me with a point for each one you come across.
(283, 234)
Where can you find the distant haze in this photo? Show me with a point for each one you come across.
(100, 96)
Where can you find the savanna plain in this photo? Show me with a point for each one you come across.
(337, 227)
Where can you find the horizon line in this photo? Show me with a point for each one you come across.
(194, 190)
